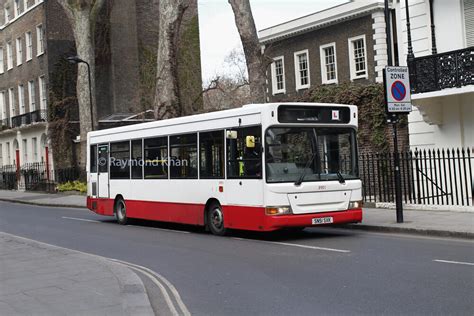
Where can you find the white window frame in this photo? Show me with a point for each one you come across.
(8, 153)
(39, 40)
(9, 56)
(32, 95)
(7, 15)
(2, 61)
(298, 84)
(43, 92)
(16, 8)
(19, 51)
(322, 54)
(352, 58)
(25, 5)
(24, 145)
(3, 106)
(11, 102)
(275, 89)
(34, 149)
(29, 45)
(21, 99)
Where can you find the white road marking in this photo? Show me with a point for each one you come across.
(157, 279)
(164, 229)
(82, 219)
(295, 245)
(454, 262)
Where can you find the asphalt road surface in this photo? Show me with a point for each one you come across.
(318, 271)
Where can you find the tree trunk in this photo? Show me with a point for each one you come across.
(167, 103)
(82, 16)
(256, 63)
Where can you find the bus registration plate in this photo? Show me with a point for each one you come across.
(322, 220)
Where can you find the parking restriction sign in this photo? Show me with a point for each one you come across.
(397, 89)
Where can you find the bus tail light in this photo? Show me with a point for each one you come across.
(356, 204)
(277, 210)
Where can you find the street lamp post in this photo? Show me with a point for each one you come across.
(76, 60)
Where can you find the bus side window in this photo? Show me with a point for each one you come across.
(119, 160)
(183, 156)
(211, 155)
(137, 159)
(244, 153)
(156, 158)
(93, 159)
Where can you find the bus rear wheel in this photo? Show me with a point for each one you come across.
(215, 219)
(121, 212)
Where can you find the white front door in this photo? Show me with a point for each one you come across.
(103, 171)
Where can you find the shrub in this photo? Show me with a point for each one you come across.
(73, 186)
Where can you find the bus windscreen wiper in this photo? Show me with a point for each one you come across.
(303, 174)
(340, 178)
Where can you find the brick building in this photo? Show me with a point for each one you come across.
(35, 37)
(345, 43)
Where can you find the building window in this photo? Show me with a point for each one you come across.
(9, 56)
(34, 147)
(302, 70)
(21, 98)
(120, 160)
(40, 39)
(211, 155)
(32, 95)
(19, 51)
(7, 15)
(156, 158)
(1, 155)
(16, 8)
(2, 66)
(278, 75)
(328, 63)
(3, 107)
(43, 96)
(29, 46)
(8, 153)
(358, 57)
(11, 101)
(25, 150)
(183, 159)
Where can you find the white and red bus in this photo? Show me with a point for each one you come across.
(260, 167)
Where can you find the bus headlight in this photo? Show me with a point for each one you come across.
(356, 204)
(277, 210)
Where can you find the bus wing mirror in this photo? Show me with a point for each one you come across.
(250, 141)
(231, 134)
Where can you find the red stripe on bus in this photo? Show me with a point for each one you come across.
(235, 216)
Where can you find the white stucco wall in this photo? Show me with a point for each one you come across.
(23, 134)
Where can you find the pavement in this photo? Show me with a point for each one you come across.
(443, 223)
(42, 279)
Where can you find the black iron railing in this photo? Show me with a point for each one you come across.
(29, 118)
(436, 176)
(441, 71)
(5, 124)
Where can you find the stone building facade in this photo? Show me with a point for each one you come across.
(35, 38)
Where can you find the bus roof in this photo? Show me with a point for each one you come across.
(245, 109)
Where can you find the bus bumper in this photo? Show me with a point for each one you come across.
(306, 220)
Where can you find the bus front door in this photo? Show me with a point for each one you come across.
(103, 174)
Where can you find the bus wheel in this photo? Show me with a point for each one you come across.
(121, 212)
(215, 219)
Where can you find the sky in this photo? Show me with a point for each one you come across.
(218, 33)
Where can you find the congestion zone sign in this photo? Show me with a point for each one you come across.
(397, 89)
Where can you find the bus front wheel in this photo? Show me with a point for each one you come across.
(215, 219)
(121, 212)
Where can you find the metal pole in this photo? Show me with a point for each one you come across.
(90, 94)
(388, 32)
(398, 183)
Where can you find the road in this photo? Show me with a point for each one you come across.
(317, 271)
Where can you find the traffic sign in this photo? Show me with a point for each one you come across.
(397, 89)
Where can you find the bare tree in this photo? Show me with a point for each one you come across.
(256, 60)
(82, 15)
(167, 103)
